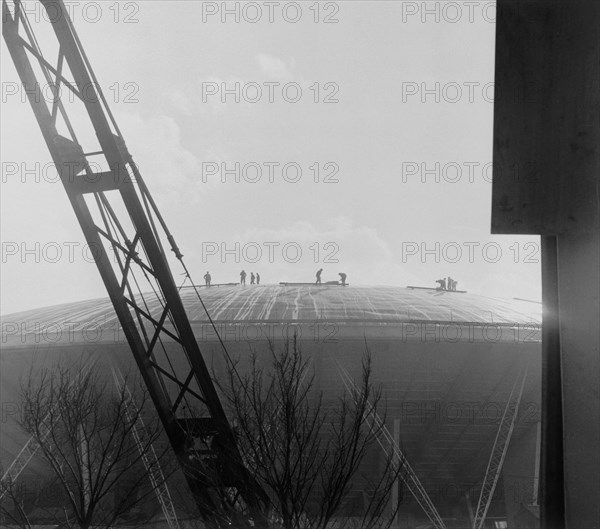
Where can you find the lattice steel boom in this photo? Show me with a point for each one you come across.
(120, 223)
(406, 474)
(501, 442)
(149, 457)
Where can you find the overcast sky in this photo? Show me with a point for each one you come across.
(390, 102)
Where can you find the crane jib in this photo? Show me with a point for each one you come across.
(116, 214)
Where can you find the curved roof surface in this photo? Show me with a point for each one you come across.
(309, 303)
(448, 397)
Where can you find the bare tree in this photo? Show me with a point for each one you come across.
(12, 507)
(95, 440)
(305, 452)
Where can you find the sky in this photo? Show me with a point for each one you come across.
(279, 138)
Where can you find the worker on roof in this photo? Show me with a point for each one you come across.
(442, 283)
(257, 278)
(207, 278)
(252, 278)
(243, 277)
(343, 278)
(318, 281)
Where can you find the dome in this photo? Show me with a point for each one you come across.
(446, 363)
(383, 310)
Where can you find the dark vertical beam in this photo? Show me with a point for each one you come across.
(546, 182)
(579, 328)
(552, 496)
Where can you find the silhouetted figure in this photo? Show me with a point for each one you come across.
(257, 278)
(318, 281)
(454, 283)
(207, 279)
(450, 283)
(343, 278)
(252, 278)
(442, 283)
(243, 277)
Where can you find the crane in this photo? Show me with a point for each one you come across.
(124, 230)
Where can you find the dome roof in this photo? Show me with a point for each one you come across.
(447, 393)
(308, 303)
(376, 311)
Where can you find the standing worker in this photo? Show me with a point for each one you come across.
(207, 278)
(318, 281)
(252, 278)
(257, 278)
(343, 278)
(243, 277)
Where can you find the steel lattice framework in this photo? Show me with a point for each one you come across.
(30, 448)
(406, 474)
(149, 457)
(501, 442)
(121, 222)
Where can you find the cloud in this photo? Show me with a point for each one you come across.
(295, 251)
(181, 102)
(168, 168)
(274, 67)
(216, 92)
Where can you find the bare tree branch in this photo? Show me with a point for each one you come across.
(84, 427)
(306, 455)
